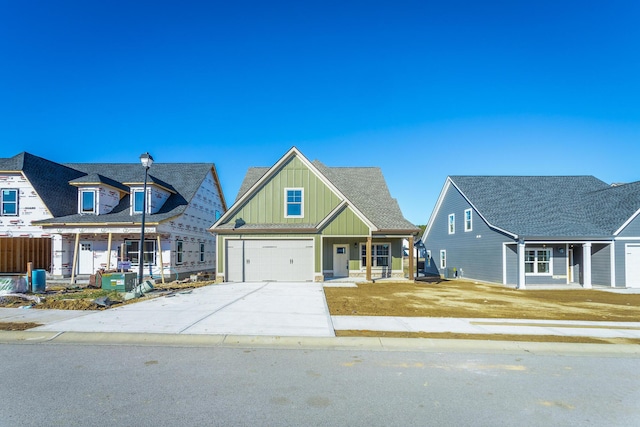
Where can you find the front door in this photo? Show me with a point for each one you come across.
(340, 260)
(85, 258)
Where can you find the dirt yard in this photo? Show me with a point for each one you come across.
(468, 300)
(83, 298)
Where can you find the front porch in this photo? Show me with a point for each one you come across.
(364, 258)
(580, 264)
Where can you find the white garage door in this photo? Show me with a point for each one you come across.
(269, 260)
(632, 265)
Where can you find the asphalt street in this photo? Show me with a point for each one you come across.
(107, 385)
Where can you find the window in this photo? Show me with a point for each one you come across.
(428, 260)
(468, 220)
(293, 202)
(452, 223)
(443, 259)
(537, 261)
(131, 248)
(9, 202)
(87, 201)
(201, 252)
(138, 201)
(179, 252)
(380, 255)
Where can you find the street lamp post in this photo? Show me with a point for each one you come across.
(146, 161)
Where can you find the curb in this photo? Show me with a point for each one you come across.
(428, 345)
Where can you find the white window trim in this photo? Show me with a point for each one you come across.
(443, 259)
(428, 260)
(145, 202)
(94, 209)
(451, 223)
(17, 202)
(373, 256)
(286, 203)
(535, 262)
(468, 223)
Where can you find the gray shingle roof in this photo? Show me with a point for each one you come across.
(184, 179)
(551, 206)
(97, 178)
(365, 187)
(51, 181)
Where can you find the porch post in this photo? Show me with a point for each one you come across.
(411, 251)
(521, 275)
(160, 256)
(109, 252)
(586, 260)
(612, 252)
(368, 258)
(75, 258)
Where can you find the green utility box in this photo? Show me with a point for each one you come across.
(121, 282)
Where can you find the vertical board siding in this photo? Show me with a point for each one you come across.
(346, 223)
(477, 252)
(267, 205)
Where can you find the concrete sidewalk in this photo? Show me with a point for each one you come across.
(489, 326)
(281, 310)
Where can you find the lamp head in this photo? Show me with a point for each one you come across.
(146, 160)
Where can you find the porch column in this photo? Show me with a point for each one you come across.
(75, 258)
(109, 251)
(368, 258)
(612, 252)
(411, 251)
(586, 261)
(160, 256)
(521, 275)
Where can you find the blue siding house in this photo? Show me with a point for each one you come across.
(536, 230)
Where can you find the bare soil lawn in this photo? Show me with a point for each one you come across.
(463, 299)
(82, 298)
(471, 300)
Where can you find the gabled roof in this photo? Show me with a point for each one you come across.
(97, 179)
(185, 179)
(54, 184)
(49, 179)
(550, 206)
(363, 188)
(367, 189)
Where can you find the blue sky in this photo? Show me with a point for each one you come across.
(422, 89)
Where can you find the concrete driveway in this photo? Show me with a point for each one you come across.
(267, 308)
